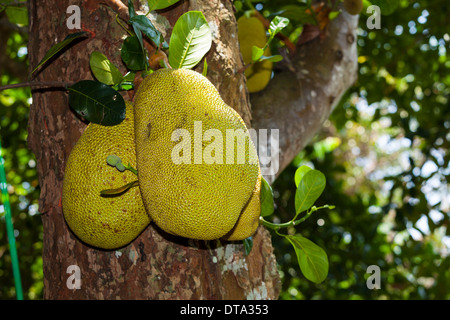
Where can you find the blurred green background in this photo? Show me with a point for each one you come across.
(384, 152)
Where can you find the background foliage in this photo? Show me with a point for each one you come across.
(384, 152)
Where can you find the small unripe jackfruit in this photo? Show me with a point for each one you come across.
(251, 32)
(106, 222)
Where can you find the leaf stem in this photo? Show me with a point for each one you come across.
(293, 222)
(129, 167)
(123, 27)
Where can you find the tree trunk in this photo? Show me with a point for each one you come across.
(157, 265)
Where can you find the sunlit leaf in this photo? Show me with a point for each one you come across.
(299, 173)
(312, 259)
(309, 190)
(103, 69)
(190, 40)
(160, 4)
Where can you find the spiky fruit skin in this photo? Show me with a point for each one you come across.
(103, 222)
(353, 7)
(251, 32)
(195, 198)
(249, 219)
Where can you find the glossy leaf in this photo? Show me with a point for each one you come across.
(257, 53)
(299, 173)
(97, 102)
(248, 245)
(131, 11)
(274, 58)
(103, 69)
(132, 54)
(191, 39)
(277, 24)
(309, 190)
(58, 47)
(143, 24)
(312, 259)
(160, 4)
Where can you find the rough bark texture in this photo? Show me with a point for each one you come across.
(155, 265)
(307, 87)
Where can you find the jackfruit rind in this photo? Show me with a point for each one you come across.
(106, 222)
(248, 221)
(192, 200)
(251, 32)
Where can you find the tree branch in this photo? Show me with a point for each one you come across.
(57, 84)
(303, 94)
(119, 7)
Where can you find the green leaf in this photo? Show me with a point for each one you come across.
(132, 54)
(277, 24)
(17, 15)
(160, 4)
(275, 58)
(97, 102)
(267, 206)
(127, 82)
(143, 24)
(248, 245)
(333, 15)
(309, 190)
(312, 259)
(103, 69)
(131, 11)
(113, 160)
(129, 77)
(257, 53)
(190, 40)
(205, 68)
(299, 173)
(58, 47)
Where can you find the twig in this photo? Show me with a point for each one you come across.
(279, 35)
(36, 84)
(119, 7)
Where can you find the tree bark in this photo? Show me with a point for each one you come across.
(157, 265)
(307, 87)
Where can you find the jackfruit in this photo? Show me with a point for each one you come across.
(249, 219)
(106, 222)
(251, 32)
(194, 179)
